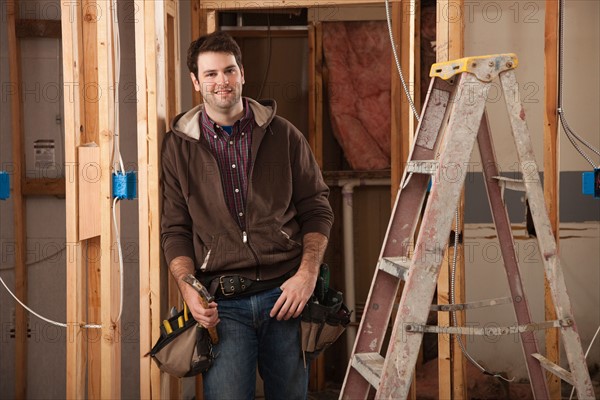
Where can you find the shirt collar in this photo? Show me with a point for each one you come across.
(243, 122)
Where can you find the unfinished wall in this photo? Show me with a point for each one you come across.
(518, 26)
(42, 93)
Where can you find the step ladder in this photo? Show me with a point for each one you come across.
(453, 118)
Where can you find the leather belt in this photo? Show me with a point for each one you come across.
(231, 286)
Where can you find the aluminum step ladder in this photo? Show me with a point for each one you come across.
(453, 118)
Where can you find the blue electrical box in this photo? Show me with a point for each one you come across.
(4, 185)
(125, 185)
(591, 183)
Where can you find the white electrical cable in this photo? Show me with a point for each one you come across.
(452, 301)
(41, 317)
(388, 17)
(117, 159)
(114, 213)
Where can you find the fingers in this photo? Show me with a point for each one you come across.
(207, 317)
(287, 306)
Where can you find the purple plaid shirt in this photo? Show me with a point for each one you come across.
(232, 153)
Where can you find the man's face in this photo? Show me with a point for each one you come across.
(219, 81)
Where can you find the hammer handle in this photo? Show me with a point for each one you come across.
(205, 298)
(214, 336)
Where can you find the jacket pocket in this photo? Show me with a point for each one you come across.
(290, 241)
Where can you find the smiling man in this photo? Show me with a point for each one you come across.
(245, 209)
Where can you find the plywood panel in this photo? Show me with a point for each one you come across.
(89, 186)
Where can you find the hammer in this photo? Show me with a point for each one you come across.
(205, 298)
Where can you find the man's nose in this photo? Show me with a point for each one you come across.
(223, 79)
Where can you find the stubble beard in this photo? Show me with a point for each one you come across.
(223, 102)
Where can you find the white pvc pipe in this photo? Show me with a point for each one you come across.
(348, 186)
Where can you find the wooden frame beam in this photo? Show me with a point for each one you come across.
(315, 90)
(551, 174)
(158, 79)
(88, 60)
(269, 5)
(19, 209)
(41, 28)
(72, 42)
(110, 344)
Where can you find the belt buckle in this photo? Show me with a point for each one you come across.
(223, 290)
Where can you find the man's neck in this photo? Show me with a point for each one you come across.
(225, 118)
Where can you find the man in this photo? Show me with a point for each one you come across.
(245, 209)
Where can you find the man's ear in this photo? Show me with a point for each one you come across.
(195, 82)
(242, 72)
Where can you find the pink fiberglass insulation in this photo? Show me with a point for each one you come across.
(358, 61)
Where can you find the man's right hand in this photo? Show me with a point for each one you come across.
(207, 317)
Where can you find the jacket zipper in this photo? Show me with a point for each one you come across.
(247, 242)
(245, 238)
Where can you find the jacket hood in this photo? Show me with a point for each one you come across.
(187, 125)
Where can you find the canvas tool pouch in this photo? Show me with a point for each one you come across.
(323, 322)
(186, 350)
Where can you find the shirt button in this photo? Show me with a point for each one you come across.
(243, 133)
(215, 136)
(232, 165)
(231, 142)
(237, 190)
(241, 214)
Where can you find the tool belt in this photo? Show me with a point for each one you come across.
(324, 317)
(232, 286)
(184, 347)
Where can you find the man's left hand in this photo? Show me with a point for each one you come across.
(295, 293)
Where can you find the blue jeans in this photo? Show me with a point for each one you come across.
(248, 337)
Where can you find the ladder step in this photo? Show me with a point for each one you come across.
(555, 369)
(396, 266)
(474, 304)
(511, 184)
(369, 365)
(427, 167)
(490, 331)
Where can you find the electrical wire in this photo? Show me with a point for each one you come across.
(453, 301)
(388, 17)
(117, 159)
(120, 251)
(62, 324)
(264, 81)
(116, 151)
(571, 135)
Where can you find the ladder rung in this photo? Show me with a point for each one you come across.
(427, 167)
(490, 331)
(555, 369)
(474, 304)
(396, 266)
(511, 184)
(369, 365)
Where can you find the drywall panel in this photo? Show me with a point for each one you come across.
(493, 26)
(485, 278)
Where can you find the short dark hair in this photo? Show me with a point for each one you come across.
(218, 42)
